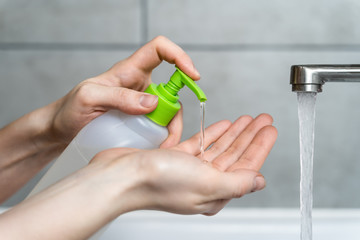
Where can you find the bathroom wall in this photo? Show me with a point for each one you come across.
(243, 50)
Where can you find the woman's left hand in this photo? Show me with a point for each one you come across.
(121, 88)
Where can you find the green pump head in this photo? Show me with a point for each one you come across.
(168, 104)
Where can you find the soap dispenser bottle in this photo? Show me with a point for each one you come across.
(117, 129)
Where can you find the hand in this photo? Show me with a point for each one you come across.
(177, 180)
(121, 87)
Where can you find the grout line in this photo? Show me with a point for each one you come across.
(69, 46)
(271, 47)
(144, 17)
(188, 47)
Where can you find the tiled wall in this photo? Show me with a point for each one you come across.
(242, 48)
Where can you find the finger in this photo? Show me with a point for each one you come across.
(228, 138)
(126, 100)
(238, 147)
(255, 155)
(160, 48)
(212, 133)
(175, 128)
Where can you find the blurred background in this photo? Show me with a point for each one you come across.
(243, 50)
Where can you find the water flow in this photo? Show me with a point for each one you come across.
(202, 129)
(306, 111)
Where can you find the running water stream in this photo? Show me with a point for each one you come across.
(306, 111)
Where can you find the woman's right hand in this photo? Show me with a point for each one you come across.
(177, 180)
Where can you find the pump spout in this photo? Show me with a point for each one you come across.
(310, 78)
(168, 104)
(179, 79)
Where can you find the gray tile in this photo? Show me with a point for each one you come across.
(256, 22)
(66, 21)
(32, 79)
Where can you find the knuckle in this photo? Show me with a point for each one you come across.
(84, 93)
(239, 192)
(124, 99)
(116, 94)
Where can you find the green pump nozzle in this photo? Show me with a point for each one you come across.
(168, 104)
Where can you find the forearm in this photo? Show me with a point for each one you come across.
(74, 208)
(68, 210)
(26, 146)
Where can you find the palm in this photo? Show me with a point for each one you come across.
(244, 144)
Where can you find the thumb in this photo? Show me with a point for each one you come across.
(126, 100)
(240, 182)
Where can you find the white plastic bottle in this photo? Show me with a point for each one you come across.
(113, 129)
(117, 129)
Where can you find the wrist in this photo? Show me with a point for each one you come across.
(25, 144)
(41, 131)
(123, 179)
(29, 137)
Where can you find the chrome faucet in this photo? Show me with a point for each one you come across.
(310, 78)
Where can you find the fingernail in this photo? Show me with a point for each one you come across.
(259, 183)
(148, 100)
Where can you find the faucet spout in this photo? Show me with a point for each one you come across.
(310, 78)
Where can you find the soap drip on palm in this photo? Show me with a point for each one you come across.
(202, 131)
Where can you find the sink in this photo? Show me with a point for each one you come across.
(235, 223)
